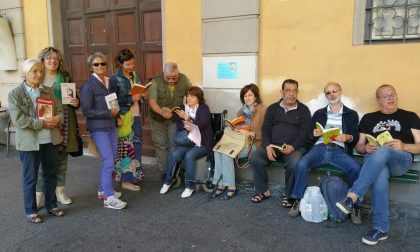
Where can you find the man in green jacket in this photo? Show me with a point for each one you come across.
(167, 91)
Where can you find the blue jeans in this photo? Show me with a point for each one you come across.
(47, 156)
(377, 168)
(259, 162)
(322, 154)
(224, 166)
(106, 142)
(189, 155)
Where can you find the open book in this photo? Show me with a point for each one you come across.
(281, 147)
(44, 108)
(328, 135)
(380, 139)
(238, 123)
(139, 89)
(68, 92)
(112, 101)
(175, 109)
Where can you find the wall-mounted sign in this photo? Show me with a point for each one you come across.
(227, 70)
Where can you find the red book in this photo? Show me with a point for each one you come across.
(44, 108)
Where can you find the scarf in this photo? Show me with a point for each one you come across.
(57, 87)
(248, 114)
(191, 111)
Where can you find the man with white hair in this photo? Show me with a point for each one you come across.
(337, 152)
(166, 92)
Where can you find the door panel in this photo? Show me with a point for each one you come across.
(108, 26)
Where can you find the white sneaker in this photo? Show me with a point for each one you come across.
(101, 195)
(40, 200)
(114, 203)
(61, 195)
(164, 189)
(187, 193)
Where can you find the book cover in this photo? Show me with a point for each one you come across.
(281, 147)
(381, 139)
(68, 92)
(44, 108)
(238, 123)
(139, 89)
(328, 135)
(112, 101)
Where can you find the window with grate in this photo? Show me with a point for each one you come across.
(392, 20)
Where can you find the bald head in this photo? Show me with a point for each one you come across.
(332, 85)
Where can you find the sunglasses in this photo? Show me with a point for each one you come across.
(97, 64)
(331, 92)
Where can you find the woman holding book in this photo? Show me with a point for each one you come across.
(100, 122)
(128, 167)
(253, 110)
(56, 74)
(196, 112)
(37, 140)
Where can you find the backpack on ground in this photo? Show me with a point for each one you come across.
(334, 189)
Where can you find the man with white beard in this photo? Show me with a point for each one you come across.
(336, 153)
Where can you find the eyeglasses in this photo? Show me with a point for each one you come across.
(331, 92)
(49, 58)
(101, 63)
(390, 96)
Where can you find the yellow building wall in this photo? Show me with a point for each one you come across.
(312, 43)
(36, 26)
(182, 21)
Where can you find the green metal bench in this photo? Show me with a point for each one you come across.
(411, 177)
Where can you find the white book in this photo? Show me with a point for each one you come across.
(68, 92)
(112, 101)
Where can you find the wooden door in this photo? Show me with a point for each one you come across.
(108, 26)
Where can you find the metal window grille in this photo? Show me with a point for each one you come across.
(392, 20)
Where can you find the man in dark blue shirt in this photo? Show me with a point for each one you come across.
(286, 124)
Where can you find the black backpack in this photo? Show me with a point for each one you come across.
(334, 189)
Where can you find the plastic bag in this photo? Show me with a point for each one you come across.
(312, 206)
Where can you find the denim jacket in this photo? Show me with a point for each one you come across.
(120, 85)
(350, 120)
(23, 115)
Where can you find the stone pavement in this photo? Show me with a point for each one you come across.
(154, 222)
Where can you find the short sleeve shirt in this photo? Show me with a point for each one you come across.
(399, 124)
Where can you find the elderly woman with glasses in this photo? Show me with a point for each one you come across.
(101, 125)
(37, 137)
(55, 74)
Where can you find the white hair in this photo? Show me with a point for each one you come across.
(27, 66)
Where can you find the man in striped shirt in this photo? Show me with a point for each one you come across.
(337, 152)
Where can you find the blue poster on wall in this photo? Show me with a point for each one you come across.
(227, 70)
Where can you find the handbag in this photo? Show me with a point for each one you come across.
(233, 142)
(249, 142)
(180, 138)
(79, 151)
(93, 149)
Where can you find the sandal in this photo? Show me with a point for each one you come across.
(229, 194)
(219, 191)
(56, 212)
(34, 218)
(258, 198)
(287, 202)
(130, 186)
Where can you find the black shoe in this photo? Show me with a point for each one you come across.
(345, 206)
(162, 176)
(374, 236)
(294, 211)
(356, 215)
